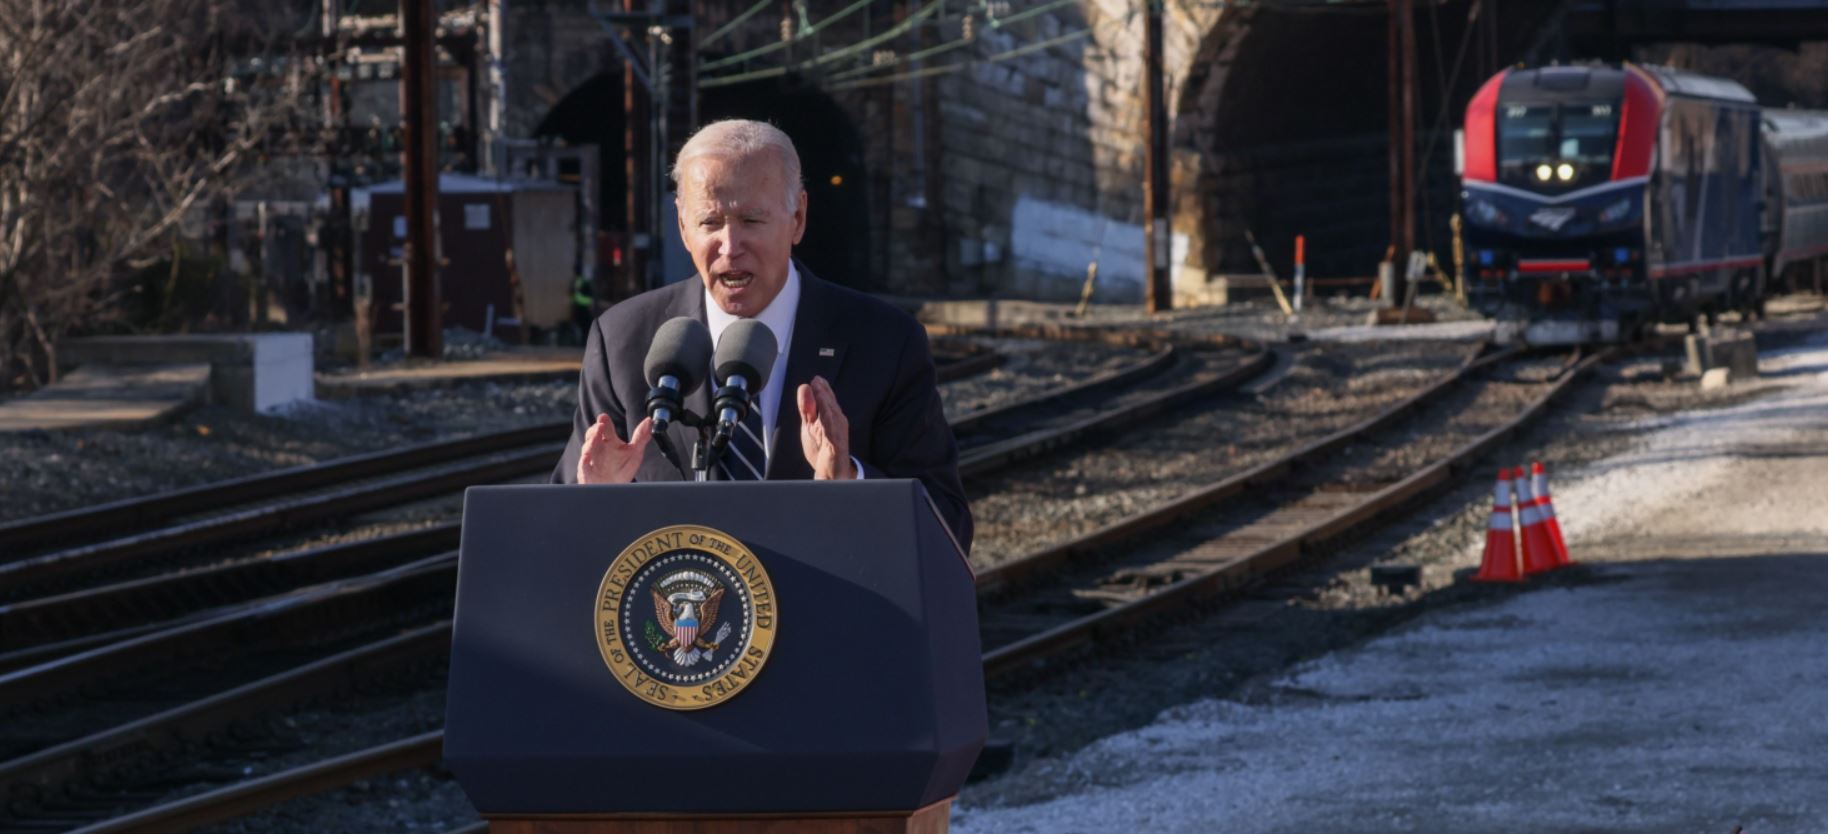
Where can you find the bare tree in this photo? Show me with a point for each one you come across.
(118, 119)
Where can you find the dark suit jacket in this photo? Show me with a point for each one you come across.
(880, 367)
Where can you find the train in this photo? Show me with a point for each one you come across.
(1598, 201)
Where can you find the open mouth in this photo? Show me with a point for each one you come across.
(735, 280)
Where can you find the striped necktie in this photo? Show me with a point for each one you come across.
(746, 458)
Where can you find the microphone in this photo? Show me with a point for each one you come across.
(674, 368)
(745, 357)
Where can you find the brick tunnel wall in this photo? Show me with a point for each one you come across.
(1011, 176)
(1007, 178)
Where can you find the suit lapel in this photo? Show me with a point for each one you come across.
(815, 351)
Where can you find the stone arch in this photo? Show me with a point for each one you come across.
(592, 114)
(1270, 138)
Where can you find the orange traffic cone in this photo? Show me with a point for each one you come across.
(1538, 549)
(1500, 564)
(1541, 490)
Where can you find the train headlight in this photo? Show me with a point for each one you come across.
(1544, 172)
(1616, 211)
(1564, 172)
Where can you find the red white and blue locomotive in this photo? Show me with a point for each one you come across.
(1599, 200)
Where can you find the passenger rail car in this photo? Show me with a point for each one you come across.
(1796, 197)
(1598, 200)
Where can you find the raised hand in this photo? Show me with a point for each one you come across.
(605, 459)
(825, 435)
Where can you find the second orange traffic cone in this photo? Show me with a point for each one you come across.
(1500, 563)
(1540, 488)
(1538, 548)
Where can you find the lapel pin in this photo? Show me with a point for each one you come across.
(828, 352)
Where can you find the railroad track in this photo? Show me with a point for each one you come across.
(1170, 376)
(44, 770)
(1250, 524)
(953, 363)
(1227, 535)
(161, 527)
(1096, 589)
(68, 600)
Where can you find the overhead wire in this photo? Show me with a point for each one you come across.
(779, 45)
(950, 68)
(887, 34)
(1447, 88)
(718, 33)
(1092, 68)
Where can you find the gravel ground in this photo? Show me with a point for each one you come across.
(372, 718)
(1254, 318)
(50, 471)
(1032, 367)
(1272, 511)
(1048, 716)
(1058, 497)
(1630, 475)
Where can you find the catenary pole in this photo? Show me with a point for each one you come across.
(1157, 293)
(424, 326)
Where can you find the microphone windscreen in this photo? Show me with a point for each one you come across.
(681, 349)
(747, 349)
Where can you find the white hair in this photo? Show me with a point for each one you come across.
(736, 138)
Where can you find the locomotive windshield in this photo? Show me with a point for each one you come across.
(1556, 147)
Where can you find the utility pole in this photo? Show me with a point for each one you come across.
(634, 148)
(660, 108)
(1157, 293)
(1402, 145)
(424, 319)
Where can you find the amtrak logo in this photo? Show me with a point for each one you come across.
(1552, 218)
(685, 617)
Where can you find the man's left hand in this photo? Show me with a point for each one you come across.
(825, 435)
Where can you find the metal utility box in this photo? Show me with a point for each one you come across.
(480, 223)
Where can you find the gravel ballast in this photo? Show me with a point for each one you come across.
(1670, 684)
(1053, 716)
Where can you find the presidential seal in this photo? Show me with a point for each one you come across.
(686, 617)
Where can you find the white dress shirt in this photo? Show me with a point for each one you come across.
(779, 316)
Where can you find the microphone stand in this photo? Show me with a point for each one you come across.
(701, 461)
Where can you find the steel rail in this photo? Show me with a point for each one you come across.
(77, 616)
(1118, 336)
(200, 718)
(1150, 365)
(1235, 573)
(992, 456)
(88, 523)
(1003, 577)
(234, 628)
(243, 798)
(272, 517)
(70, 615)
(169, 595)
(968, 366)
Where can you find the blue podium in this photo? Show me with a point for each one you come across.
(710, 657)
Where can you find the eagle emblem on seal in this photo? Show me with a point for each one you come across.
(686, 606)
(686, 617)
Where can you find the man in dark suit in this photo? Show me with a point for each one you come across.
(852, 394)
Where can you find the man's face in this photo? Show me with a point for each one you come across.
(735, 222)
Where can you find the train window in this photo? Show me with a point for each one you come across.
(1526, 136)
(1574, 138)
(1588, 134)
